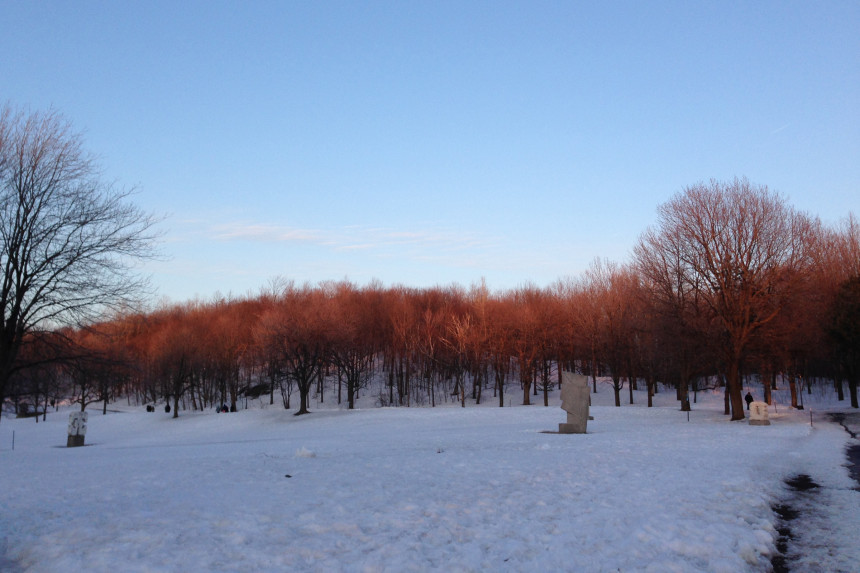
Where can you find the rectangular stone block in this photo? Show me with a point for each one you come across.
(571, 429)
(758, 414)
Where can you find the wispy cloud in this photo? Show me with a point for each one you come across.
(351, 238)
(263, 233)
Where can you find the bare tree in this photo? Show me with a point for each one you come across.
(848, 245)
(674, 297)
(460, 332)
(68, 240)
(301, 329)
(95, 367)
(612, 287)
(742, 249)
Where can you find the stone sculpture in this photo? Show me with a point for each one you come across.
(758, 414)
(77, 429)
(574, 401)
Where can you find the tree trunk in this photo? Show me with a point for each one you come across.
(734, 389)
(527, 386)
(683, 390)
(768, 384)
(792, 385)
(546, 393)
(304, 393)
(233, 389)
(558, 364)
(407, 387)
(401, 381)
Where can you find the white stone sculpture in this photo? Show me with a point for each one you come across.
(758, 414)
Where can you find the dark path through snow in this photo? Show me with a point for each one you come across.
(851, 423)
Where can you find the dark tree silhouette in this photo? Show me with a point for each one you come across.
(68, 240)
(845, 332)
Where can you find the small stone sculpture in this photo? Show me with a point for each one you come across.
(77, 429)
(758, 414)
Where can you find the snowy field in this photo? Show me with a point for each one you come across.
(421, 489)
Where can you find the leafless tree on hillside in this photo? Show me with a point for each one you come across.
(740, 248)
(68, 240)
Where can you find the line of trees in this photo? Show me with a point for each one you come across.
(730, 282)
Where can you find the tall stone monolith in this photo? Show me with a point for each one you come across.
(574, 401)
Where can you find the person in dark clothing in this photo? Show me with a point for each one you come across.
(749, 400)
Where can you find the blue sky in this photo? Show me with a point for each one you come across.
(430, 143)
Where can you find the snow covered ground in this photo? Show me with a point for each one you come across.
(421, 489)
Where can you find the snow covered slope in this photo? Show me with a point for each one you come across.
(419, 489)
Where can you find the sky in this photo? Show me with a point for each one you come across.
(436, 143)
